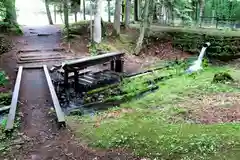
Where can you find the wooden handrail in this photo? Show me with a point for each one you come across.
(90, 61)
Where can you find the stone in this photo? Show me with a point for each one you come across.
(18, 141)
(18, 146)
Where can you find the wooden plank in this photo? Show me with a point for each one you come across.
(41, 58)
(90, 61)
(13, 106)
(58, 109)
(33, 67)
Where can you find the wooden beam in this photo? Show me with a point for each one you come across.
(13, 106)
(58, 109)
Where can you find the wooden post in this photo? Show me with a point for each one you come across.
(112, 65)
(66, 78)
(119, 65)
(76, 79)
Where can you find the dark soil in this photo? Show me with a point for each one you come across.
(39, 137)
(216, 108)
(215, 114)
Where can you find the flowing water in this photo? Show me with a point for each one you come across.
(197, 65)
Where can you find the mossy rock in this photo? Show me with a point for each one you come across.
(76, 112)
(222, 77)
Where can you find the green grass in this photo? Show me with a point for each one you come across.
(148, 130)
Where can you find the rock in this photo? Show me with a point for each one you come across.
(18, 141)
(76, 112)
(52, 69)
(18, 146)
(222, 77)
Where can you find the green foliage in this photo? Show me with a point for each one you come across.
(5, 99)
(3, 79)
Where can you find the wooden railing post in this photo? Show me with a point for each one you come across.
(119, 65)
(112, 67)
(66, 78)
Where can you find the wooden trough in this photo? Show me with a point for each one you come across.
(74, 66)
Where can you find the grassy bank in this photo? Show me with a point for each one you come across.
(168, 123)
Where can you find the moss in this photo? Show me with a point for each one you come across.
(222, 47)
(5, 99)
(222, 77)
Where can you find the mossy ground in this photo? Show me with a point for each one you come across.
(158, 125)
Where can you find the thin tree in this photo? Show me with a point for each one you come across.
(116, 24)
(109, 10)
(201, 10)
(136, 9)
(84, 10)
(127, 12)
(143, 27)
(97, 35)
(66, 21)
(55, 13)
(48, 12)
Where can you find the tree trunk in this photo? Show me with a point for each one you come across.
(109, 10)
(123, 10)
(55, 14)
(97, 35)
(201, 10)
(116, 24)
(66, 22)
(11, 15)
(143, 28)
(75, 16)
(84, 10)
(136, 10)
(127, 12)
(48, 12)
(155, 18)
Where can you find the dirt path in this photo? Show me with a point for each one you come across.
(39, 137)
